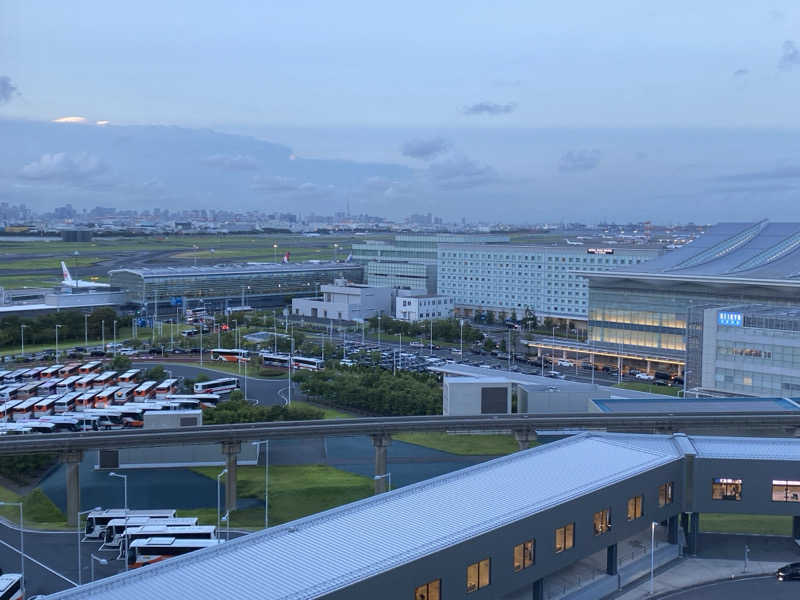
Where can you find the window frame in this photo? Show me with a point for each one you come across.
(784, 485)
(567, 542)
(668, 495)
(437, 583)
(527, 555)
(483, 574)
(605, 521)
(638, 507)
(727, 485)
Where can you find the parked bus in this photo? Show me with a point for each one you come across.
(131, 377)
(11, 586)
(5, 409)
(86, 382)
(123, 394)
(24, 410)
(299, 362)
(34, 373)
(39, 426)
(151, 550)
(109, 418)
(117, 528)
(68, 384)
(3, 373)
(28, 390)
(105, 379)
(11, 391)
(85, 421)
(132, 414)
(166, 387)
(50, 372)
(69, 369)
(95, 366)
(45, 406)
(85, 400)
(205, 400)
(66, 403)
(230, 355)
(105, 397)
(223, 385)
(145, 390)
(61, 423)
(97, 520)
(179, 532)
(15, 376)
(48, 387)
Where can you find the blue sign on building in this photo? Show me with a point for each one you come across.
(729, 319)
(176, 301)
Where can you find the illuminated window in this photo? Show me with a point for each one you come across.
(602, 521)
(725, 488)
(478, 575)
(635, 507)
(785, 490)
(665, 494)
(523, 555)
(429, 591)
(565, 537)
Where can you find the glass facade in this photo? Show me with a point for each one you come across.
(543, 279)
(726, 488)
(784, 490)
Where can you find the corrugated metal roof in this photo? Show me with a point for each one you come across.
(691, 405)
(746, 448)
(319, 554)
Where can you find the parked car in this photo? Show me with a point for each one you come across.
(788, 572)
(417, 345)
(645, 376)
(97, 353)
(633, 372)
(555, 375)
(563, 362)
(610, 370)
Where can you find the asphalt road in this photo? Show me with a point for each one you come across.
(744, 589)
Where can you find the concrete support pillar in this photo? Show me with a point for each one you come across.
(694, 519)
(538, 589)
(231, 451)
(524, 438)
(611, 559)
(72, 462)
(796, 527)
(381, 441)
(672, 530)
(648, 366)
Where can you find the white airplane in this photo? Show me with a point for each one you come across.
(78, 283)
(569, 243)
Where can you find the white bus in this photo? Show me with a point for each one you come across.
(50, 372)
(94, 366)
(230, 355)
(24, 410)
(28, 389)
(68, 384)
(11, 391)
(86, 382)
(6, 408)
(34, 373)
(130, 377)
(117, 528)
(45, 406)
(123, 394)
(61, 423)
(14, 376)
(48, 387)
(97, 520)
(299, 362)
(66, 402)
(108, 418)
(150, 550)
(223, 385)
(105, 379)
(166, 387)
(179, 532)
(11, 586)
(145, 391)
(205, 400)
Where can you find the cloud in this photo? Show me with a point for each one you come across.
(489, 108)
(7, 90)
(777, 174)
(276, 184)
(461, 173)
(236, 162)
(741, 73)
(425, 149)
(507, 82)
(62, 166)
(576, 161)
(790, 56)
(777, 15)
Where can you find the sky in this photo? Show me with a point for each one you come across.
(529, 110)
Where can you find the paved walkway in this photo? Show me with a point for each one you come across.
(689, 572)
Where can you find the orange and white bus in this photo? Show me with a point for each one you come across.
(45, 406)
(15, 376)
(145, 391)
(230, 354)
(11, 586)
(166, 387)
(155, 549)
(11, 391)
(50, 372)
(204, 400)
(86, 382)
(48, 387)
(68, 384)
(123, 394)
(94, 366)
(69, 369)
(24, 410)
(132, 376)
(66, 403)
(34, 373)
(28, 390)
(86, 399)
(105, 379)
(105, 397)
(6, 408)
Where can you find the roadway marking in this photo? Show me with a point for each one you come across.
(44, 566)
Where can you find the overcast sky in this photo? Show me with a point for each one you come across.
(558, 101)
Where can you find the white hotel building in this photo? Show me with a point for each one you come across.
(509, 279)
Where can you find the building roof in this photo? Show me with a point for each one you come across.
(748, 251)
(691, 405)
(560, 247)
(247, 269)
(304, 558)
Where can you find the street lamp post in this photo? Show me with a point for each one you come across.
(461, 349)
(379, 330)
(22, 338)
(219, 501)
(227, 518)
(275, 252)
(86, 330)
(387, 477)
(103, 333)
(78, 531)
(125, 486)
(57, 328)
(102, 561)
(21, 542)
(266, 480)
(652, 553)
(115, 337)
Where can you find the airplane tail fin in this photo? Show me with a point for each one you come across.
(65, 272)
(286, 257)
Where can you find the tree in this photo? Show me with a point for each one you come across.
(120, 363)
(157, 373)
(489, 344)
(514, 315)
(489, 317)
(236, 396)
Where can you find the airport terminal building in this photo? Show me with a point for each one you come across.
(260, 284)
(645, 308)
(507, 528)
